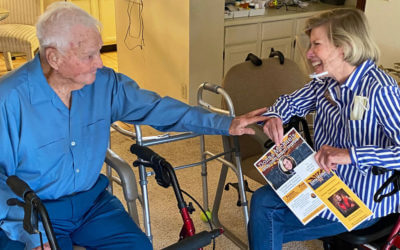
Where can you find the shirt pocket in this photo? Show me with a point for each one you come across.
(356, 132)
(95, 140)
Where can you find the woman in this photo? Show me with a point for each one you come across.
(344, 203)
(353, 128)
(287, 164)
(281, 173)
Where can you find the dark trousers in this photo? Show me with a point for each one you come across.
(94, 219)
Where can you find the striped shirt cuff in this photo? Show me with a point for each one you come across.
(268, 114)
(354, 162)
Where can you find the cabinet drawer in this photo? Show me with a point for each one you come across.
(283, 45)
(241, 34)
(278, 29)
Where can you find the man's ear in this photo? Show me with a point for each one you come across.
(53, 57)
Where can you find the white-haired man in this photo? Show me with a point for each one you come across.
(55, 114)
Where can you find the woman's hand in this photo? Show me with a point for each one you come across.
(239, 124)
(46, 246)
(273, 128)
(329, 157)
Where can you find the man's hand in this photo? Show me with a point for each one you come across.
(46, 246)
(273, 128)
(329, 157)
(238, 125)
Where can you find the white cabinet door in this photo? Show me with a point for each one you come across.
(237, 54)
(283, 45)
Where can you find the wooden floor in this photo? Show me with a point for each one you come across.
(109, 60)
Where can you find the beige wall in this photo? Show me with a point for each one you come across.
(183, 45)
(162, 64)
(206, 47)
(47, 2)
(384, 19)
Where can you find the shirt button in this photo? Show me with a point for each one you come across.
(73, 143)
(77, 170)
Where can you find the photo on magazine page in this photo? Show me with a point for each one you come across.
(343, 202)
(285, 166)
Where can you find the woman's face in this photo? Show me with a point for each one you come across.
(323, 55)
(338, 197)
(287, 164)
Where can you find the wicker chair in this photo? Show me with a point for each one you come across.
(17, 31)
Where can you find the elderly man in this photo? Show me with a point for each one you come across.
(55, 114)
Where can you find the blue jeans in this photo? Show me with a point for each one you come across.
(272, 223)
(94, 219)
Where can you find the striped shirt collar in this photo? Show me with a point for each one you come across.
(353, 80)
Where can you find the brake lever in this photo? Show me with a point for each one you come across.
(142, 162)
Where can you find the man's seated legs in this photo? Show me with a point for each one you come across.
(94, 219)
(272, 223)
(7, 244)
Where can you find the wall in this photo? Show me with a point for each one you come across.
(162, 64)
(48, 2)
(206, 47)
(183, 45)
(384, 20)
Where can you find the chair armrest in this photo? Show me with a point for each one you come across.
(128, 181)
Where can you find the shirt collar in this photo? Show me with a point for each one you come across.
(40, 90)
(354, 79)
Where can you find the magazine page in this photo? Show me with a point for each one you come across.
(306, 189)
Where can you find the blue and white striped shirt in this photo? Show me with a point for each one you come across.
(373, 140)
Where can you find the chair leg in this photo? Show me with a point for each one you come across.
(8, 61)
(29, 55)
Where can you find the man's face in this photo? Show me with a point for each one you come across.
(82, 59)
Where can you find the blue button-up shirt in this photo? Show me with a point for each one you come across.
(373, 140)
(60, 151)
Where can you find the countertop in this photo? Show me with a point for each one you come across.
(272, 14)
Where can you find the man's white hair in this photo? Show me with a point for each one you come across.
(53, 28)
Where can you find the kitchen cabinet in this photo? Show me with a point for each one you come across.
(277, 35)
(278, 29)
(239, 42)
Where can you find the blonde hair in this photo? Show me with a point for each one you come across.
(54, 25)
(348, 29)
(292, 161)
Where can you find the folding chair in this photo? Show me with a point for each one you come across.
(126, 179)
(250, 85)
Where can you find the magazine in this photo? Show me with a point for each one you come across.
(291, 170)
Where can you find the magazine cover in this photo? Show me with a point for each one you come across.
(306, 189)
